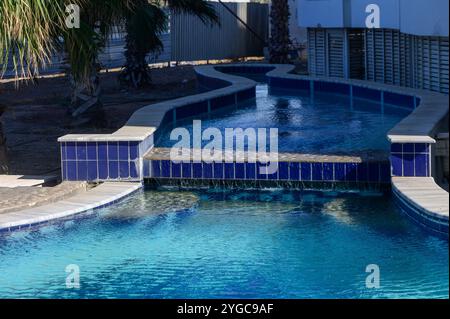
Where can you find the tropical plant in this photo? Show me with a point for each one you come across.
(144, 26)
(279, 32)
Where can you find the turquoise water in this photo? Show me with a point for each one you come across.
(229, 244)
(324, 124)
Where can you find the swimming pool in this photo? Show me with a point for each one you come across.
(320, 124)
(229, 244)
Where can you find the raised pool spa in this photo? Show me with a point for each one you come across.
(320, 124)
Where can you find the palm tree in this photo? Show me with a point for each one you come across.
(144, 26)
(279, 32)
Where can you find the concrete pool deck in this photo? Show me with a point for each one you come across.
(97, 197)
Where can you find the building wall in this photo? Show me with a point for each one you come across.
(417, 17)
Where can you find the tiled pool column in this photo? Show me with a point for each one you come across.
(410, 159)
(96, 161)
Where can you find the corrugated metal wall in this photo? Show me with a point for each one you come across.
(192, 40)
(189, 39)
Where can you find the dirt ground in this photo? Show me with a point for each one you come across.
(36, 114)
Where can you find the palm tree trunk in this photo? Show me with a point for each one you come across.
(279, 32)
(136, 72)
(3, 155)
(85, 94)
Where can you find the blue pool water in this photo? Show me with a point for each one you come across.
(230, 244)
(324, 124)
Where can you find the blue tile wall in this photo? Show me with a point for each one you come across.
(246, 94)
(218, 170)
(96, 161)
(186, 170)
(374, 172)
(222, 101)
(330, 87)
(305, 171)
(399, 99)
(409, 159)
(366, 93)
(294, 171)
(191, 110)
(250, 171)
(293, 84)
(239, 170)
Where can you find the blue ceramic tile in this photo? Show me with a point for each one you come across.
(64, 170)
(103, 170)
(408, 148)
(123, 151)
(350, 172)
(366, 93)
(396, 148)
(374, 172)
(197, 170)
(156, 168)
(261, 171)
(63, 151)
(399, 99)
(146, 168)
(397, 165)
(124, 169)
(186, 170)
(363, 172)
(134, 150)
(82, 170)
(222, 101)
(294, 171)
(328, 174)
(305, 170)
(165, 168)
(246, 94)
(113, 151)
(81, 150)
(283, 171)
(317, 171)
(250, 171)
(339, 171)
(92, 170)
(385, 172)
(192, 109)
(113, 169)
(71, 151)
(134, 171)
(229, 170)
(176, 170)
(239, 172)
(218, 170)
(207, 170)
(421, 148)
(72, 170)
(102, 151)
(92, 151)
(274, 176)
(330, 87)
(421, 165)
(408, 165)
